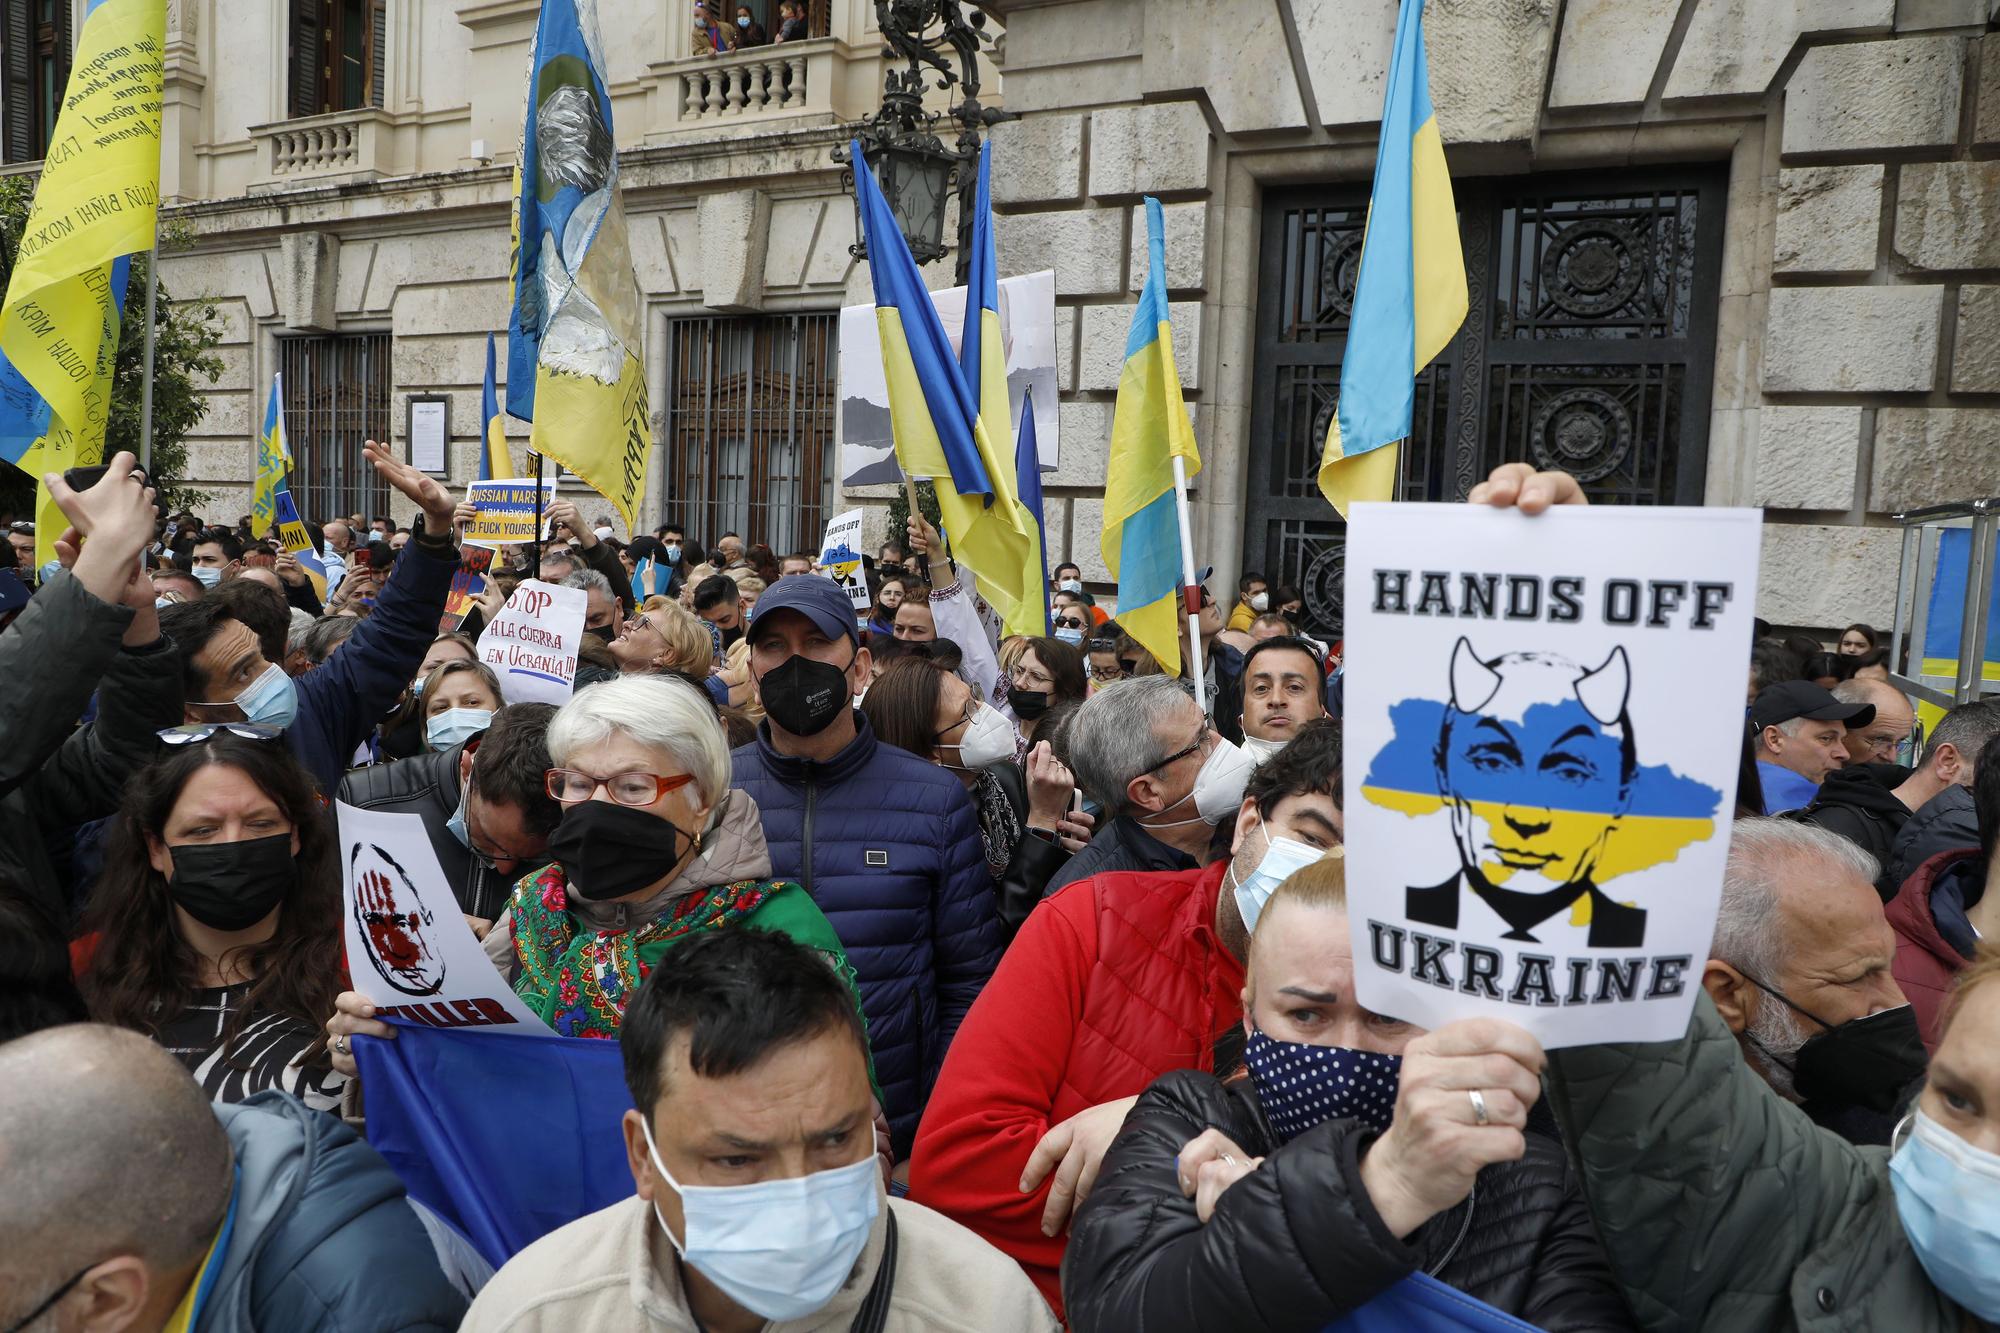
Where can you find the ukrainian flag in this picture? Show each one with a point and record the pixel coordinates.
(573, 339)
(1028, 476)
(495, 464)
(96, 204)
(1149, 429)
(939, 429)
(1410, 296)
(1944, 622)
(982, 359)
(274, 460)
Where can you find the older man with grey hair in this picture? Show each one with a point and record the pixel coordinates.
(1800, 971)
(1145, 752)
(1873, 797)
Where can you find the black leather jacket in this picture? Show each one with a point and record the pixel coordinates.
(427, 786)
(1035, 861)
(1297, 1243)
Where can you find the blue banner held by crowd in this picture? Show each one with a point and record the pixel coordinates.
(505, 1137)
(1422, 1304)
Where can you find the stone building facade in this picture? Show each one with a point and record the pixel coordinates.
(1722, 251)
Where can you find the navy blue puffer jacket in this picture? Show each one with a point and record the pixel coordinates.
(889, 848)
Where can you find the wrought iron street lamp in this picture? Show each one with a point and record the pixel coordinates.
(900, 141)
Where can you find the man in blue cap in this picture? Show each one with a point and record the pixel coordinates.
(887, 844)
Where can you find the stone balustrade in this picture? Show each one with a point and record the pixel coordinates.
(340, 144)
(708, 93)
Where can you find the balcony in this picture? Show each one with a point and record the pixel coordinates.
(338, 147)
(793, 81)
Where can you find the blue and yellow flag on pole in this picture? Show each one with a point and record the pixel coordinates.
(274, 461)
(938, 426)
(982, 360)
(293, 536)
(97, 202)
(1410, 296)
(1149, 427)
(573, 339)
(495, 463)
(1028, 478)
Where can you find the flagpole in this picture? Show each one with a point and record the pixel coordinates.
(1191, 590)
(536, 544)
(146, 390)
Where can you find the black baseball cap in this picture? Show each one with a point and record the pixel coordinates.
(1801, 698)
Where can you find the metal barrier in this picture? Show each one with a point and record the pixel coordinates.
(1923, 533)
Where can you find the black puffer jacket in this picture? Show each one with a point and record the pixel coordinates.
(1859, 803)
(1944, 823)
(1297, 1243)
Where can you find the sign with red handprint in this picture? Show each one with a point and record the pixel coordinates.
(423, 963)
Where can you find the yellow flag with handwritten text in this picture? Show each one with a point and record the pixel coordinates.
(98, 199)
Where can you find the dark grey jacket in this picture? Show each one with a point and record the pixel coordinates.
(55, 775)
(1944, 823)
(1722, 1207)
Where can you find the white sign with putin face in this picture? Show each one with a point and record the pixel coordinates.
(409, 949)
(1543, 726)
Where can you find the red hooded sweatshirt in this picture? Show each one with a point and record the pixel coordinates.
(1928, 915)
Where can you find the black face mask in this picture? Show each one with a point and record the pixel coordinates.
(1028, 704)
(1865, 1062)
(232, 885)
(802, 696)
(730, 636)
(608, 851)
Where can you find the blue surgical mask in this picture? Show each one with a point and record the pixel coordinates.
(742, 21)
(417, 688)
(271, 700)
(673, 553)
(207, 576)
(457, 821)
(778, 1248)
(1948, 1197)
(1300, 1086)
(454, 725)
(1068, 635)
(1070, 585)
(1283, 858)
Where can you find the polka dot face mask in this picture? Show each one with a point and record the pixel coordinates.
(1302, 1085)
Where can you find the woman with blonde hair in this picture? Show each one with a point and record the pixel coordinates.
(1344, 1126)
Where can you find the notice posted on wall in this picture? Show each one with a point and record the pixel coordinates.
(532, 644)
(1544, 719)
(409, 949)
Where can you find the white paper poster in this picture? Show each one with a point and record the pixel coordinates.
(409, 949)
(840, 559)
(1028, 333)
(1544, 718)
(531, 645)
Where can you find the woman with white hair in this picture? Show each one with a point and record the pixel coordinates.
(653, 848)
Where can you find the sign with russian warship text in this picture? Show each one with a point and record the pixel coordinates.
(1544, 720)
(409, 949)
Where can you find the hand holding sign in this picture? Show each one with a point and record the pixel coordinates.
(1543, 750)
(1461, 1105)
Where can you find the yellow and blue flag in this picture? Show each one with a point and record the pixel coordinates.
(573, 339)
(939, 429)
(495, 462)
(1410, 295)
(1149, 429)
(1028, 477)
(982, 360)
(97, 203)
(274, 461)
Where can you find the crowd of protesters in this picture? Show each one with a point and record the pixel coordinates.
(960, 980)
